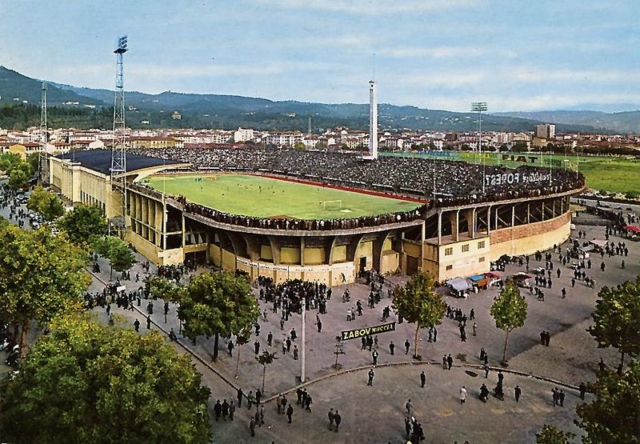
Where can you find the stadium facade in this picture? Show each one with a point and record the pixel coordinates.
(449, 236)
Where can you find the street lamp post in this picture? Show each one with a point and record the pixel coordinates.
(479, 107)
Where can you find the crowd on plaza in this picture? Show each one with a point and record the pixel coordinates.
(439, 182)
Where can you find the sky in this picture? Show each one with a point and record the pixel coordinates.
(436, 54)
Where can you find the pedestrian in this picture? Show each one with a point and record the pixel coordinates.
(148, 322)
(555, 393)
(261, 415)
(337, 419)
(463, 394)
(232, 410)
(371, 374)
(308, 401)
(561, 398)
(217, 410)
(295, 352)
(230, 347)
(239, 397)
(331, 417)
(288, 344)
(270, 339)
(319, 323)
(444, 362)
(423, 379)
(252, 426)
(407, 426)
(258, 396)
(518, 392)
(290, 412)
(409, 408)
(475, 326)
(136, 325)
(486, 370)
(256, 347)
(392, 347)
(449, 362)
(225, 410)
(250, 399)
(407, 345)
(583, 390)
(374, 355)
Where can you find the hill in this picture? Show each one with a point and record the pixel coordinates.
(619, 122)
(230, 112)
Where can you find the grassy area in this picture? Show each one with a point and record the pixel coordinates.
(262, 197)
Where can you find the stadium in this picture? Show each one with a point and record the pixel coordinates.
(324, 216)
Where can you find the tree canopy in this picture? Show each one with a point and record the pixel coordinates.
(419, 303)
(45, 203)
(41, 276)
(509, 310)
(552, 435)
(617, 318)
(614, 416)
(213, 304)
(88, 382)
(84, 223)
(18, 170)
(116, 251)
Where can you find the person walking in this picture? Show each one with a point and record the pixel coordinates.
(371, 375)
(407, 345)
(136, 325)
(463, 394)
(232, 410)
(423, 379)
(252, 426)
(409, 407)
(392, 348)
(331, 416)
(239, 396)
(449, 362)
(374, 355)
(290, 412)
(518, 392)
(337, 419)
(583, 390)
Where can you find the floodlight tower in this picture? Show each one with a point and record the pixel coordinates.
(479, 107)
(42, 155)
(118, 148)
(373, 120)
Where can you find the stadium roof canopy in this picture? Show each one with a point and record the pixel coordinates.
(100, 160)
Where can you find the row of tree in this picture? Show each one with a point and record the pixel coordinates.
(81, 380)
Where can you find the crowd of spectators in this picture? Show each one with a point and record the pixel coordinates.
(439, 182)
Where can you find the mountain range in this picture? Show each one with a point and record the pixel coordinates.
(90, 107)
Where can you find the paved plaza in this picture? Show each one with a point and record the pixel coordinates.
(376, 413)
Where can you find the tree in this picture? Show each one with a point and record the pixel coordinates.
(617, 318)
(265, 359)
(418, 303)
(553, 435)
(116, 251)
(215, 304)
(509, 310)
(84, 223)
(88, 382)
(614, 416)
(41, 276)
(46, 203)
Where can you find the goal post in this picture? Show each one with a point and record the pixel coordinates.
(332, 205)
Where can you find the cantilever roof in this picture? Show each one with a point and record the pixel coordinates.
(100, 160)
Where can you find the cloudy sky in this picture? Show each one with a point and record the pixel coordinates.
(437, 54)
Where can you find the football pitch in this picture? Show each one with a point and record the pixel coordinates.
(264, 197)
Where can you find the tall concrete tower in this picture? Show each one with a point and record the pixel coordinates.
(373, 121)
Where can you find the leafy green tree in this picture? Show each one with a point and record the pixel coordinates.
(509, 310)
(614, 416)
(45, 203)
(86, 382)
(419, 304)
(116, 251)
(553, 435)
(215, 304)
(41, 276)
(264, 359)
(617, 318)
(9, 161)
(84, 223)
(18, 178)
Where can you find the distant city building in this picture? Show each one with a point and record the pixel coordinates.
(546, 131)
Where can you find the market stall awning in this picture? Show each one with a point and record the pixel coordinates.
(632, 228)
(459, 284)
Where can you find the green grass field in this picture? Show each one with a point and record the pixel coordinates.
(262, 197)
